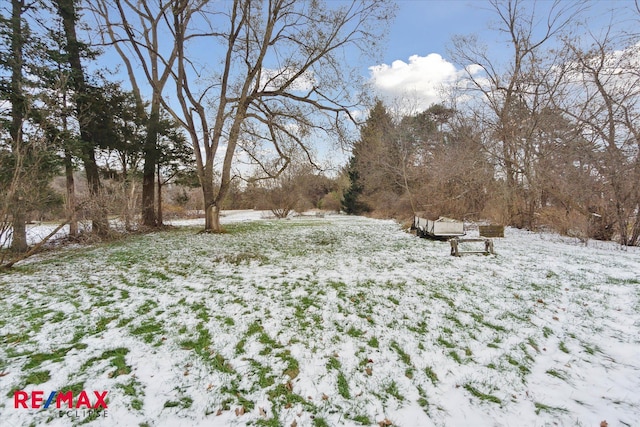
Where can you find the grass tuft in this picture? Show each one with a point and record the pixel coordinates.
(482, 396)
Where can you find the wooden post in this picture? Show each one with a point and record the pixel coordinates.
(454, 247)
(488, 246)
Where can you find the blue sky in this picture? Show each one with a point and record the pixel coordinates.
(426, 26)
(415, 63)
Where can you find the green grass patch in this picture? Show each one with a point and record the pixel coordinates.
(101, 324)
(479, 317)
(363, 420)
(283, 395)
(37, 359)
(557, 374)
(10, 339)
(482, 396)
(563, 347)
(334, 363)
(146, 307)
(201, 310)
(292, 369)
(254, 328)
(134, 390)
(184, 403)
(440, 296)
(58, 317)
(392, 389)
(265, 378)
(355, 333)
(239, 348)
(343, 386)
(320, 422)
(373, 342)
(403, 355)
(443, 342)
(148, 330)
(75, 388)
(541, 407)
(592, 350)
(429, 372)
(242, 258)
(117, 357)
(37, 377)
(201, 346)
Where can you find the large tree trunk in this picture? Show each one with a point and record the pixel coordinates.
(18, 113)
(149, 218)
(19, 236)
(67, 11)
(160, 219)
(211, 211)
(71, 195)
(214, 212)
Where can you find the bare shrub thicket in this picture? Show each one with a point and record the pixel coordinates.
(24, 192)
(298, 187)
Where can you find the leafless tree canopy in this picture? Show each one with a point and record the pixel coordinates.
(276, 73)
(544, 135)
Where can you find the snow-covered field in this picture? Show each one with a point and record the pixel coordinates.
(332, 321)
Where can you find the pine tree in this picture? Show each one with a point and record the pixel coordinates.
(27, 160)
(372, 167)
(351, 202)
(86, 114)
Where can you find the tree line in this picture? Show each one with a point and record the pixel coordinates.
(547, 138)
(275, 76)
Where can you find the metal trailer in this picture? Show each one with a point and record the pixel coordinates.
(442, 228)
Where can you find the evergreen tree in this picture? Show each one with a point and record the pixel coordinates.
(86, 114)
(27, 160)
(351, 202)
(372, 168)
(174, 159)
(16, 31)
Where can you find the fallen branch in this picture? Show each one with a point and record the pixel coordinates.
(34, 249)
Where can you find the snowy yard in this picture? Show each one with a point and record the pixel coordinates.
(332, 321)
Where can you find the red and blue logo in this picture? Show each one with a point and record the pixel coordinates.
(60, 400)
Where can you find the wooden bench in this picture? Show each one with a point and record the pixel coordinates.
(455, 250)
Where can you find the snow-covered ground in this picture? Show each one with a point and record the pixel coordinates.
(326, 322)
(38, 231)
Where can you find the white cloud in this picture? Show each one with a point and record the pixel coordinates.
(421, 80)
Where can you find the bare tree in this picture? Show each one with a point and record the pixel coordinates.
(281, 77)
(605, 102)
(513, 96)
(135, 29)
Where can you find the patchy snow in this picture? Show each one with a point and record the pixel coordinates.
(226, 217)
(37, 231)
(326, 321)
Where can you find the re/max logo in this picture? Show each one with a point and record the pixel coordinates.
(57, 399)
